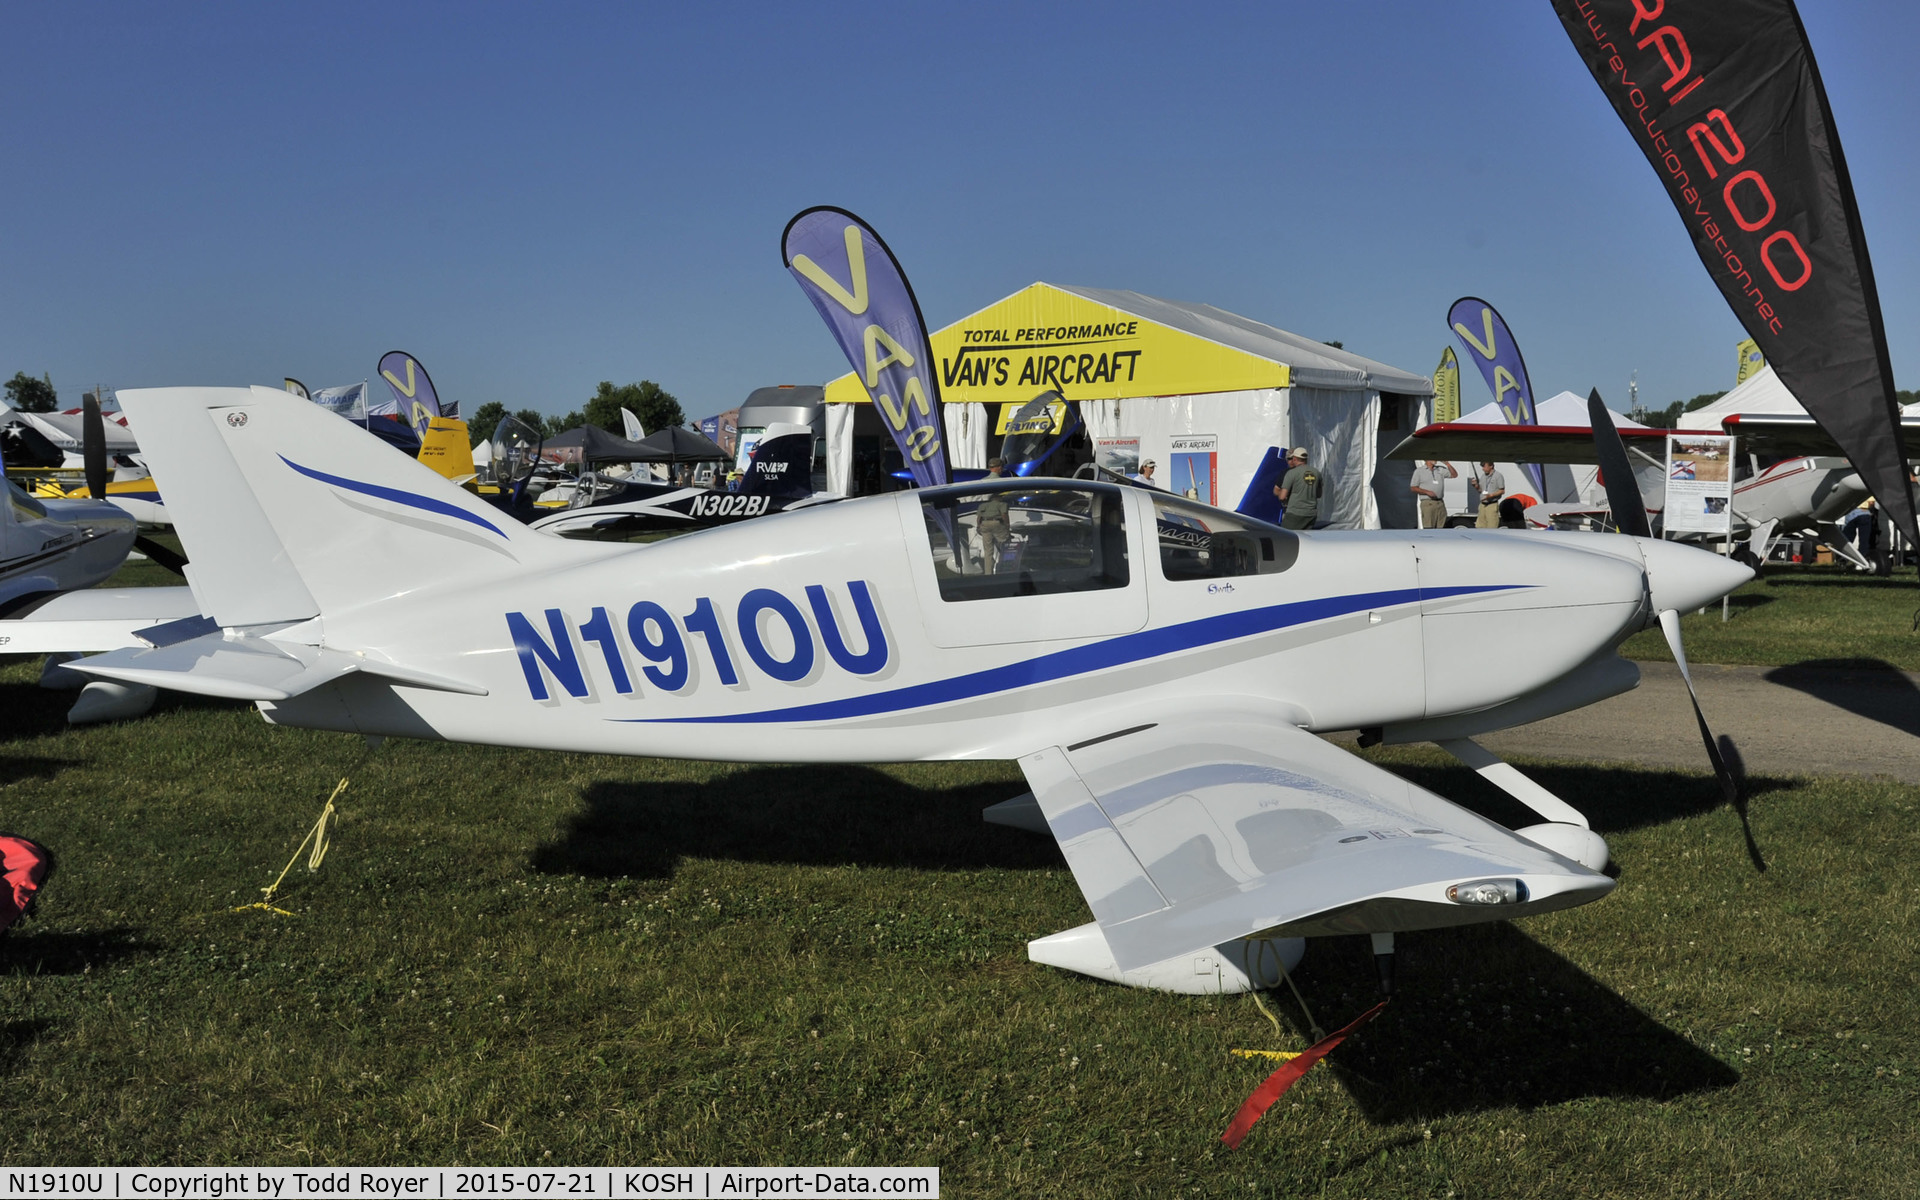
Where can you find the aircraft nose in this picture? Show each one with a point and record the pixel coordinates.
(1686, 577)
(1852, 482)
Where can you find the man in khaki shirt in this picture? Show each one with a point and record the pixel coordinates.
(1493, 489)
(1432, 491)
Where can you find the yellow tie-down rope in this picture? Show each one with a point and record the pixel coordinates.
(316, 835)
(1266, 946)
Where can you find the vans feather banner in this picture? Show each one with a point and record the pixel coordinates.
(876, 320)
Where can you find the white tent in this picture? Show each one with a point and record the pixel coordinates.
(1576, 483)
(1761, 393)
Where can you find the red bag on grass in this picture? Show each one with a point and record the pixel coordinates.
(23, 868)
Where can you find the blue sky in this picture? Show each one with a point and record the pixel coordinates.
(534, 198)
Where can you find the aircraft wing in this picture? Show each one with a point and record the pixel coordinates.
(93, 619)
(1796, 434)
(1187, 833)
(1455, 441)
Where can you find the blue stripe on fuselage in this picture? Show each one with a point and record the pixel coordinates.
(1082, 660)
(410, 499)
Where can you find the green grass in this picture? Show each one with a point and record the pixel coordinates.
(1815, 615)
(516, 957)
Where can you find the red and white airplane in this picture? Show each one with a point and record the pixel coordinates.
(1790, 479)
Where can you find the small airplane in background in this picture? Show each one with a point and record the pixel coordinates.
(1161, 693)
(53, 553)
(778, 478)
(1789, 481)
(51, 547)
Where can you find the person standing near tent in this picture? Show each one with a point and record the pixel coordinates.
(991, 521)
(1432, 491)
(1493, 487)
(1299, 491)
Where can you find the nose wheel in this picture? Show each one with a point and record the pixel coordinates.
(1383, 961)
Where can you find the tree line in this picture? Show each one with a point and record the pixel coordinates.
(654, 405)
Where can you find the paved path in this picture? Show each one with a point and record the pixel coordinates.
(1785, 720)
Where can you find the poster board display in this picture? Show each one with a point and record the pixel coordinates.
(1121, 455)
(1194, 467)
(1699, 483)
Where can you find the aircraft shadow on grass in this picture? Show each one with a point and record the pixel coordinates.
(15, 770)
(15, 1037)
(1878, 583)
(25, 952)
(29, 711)
(1614, 799)
(819, 815)
(1866, 687)
(1484, 1018)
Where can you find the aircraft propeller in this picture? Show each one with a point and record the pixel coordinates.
(93, 451)
(1630, 517)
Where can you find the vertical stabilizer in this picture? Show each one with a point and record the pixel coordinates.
(286, 511)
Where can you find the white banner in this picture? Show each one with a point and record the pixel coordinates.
(437, 1183)
(349, 401)
(1699, 483)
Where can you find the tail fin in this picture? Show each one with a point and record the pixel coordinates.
(286, 511)
(1259, 502)
(782, 464)
(446, 448)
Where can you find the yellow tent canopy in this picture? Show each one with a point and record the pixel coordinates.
(1081, 342)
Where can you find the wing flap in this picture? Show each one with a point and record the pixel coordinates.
(1190, 833)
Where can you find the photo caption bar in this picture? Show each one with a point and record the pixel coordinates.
(450, 1183)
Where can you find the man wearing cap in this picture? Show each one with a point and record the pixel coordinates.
(1431, 490)
(991, 521)
(1146, 473)
(1299, 492)
(1493, 488)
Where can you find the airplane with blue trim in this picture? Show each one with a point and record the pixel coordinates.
(778, 477)
(1159, 668)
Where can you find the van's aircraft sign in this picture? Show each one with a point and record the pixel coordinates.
(863, 295)
(1047, 337)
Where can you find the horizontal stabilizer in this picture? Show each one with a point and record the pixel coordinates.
(253, 668)
(1189, 833)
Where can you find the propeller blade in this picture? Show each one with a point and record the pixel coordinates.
(161, 554)
(1623, 494)
(93, 446)
(1729, 784)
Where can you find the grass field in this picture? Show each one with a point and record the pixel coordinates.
(1804, 615)
(522, 958)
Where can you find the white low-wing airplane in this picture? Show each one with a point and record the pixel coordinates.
(1787, 482)
(1158, 667)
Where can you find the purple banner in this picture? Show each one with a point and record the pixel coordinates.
(415, 401)
(863, 295)
(1490, 345)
